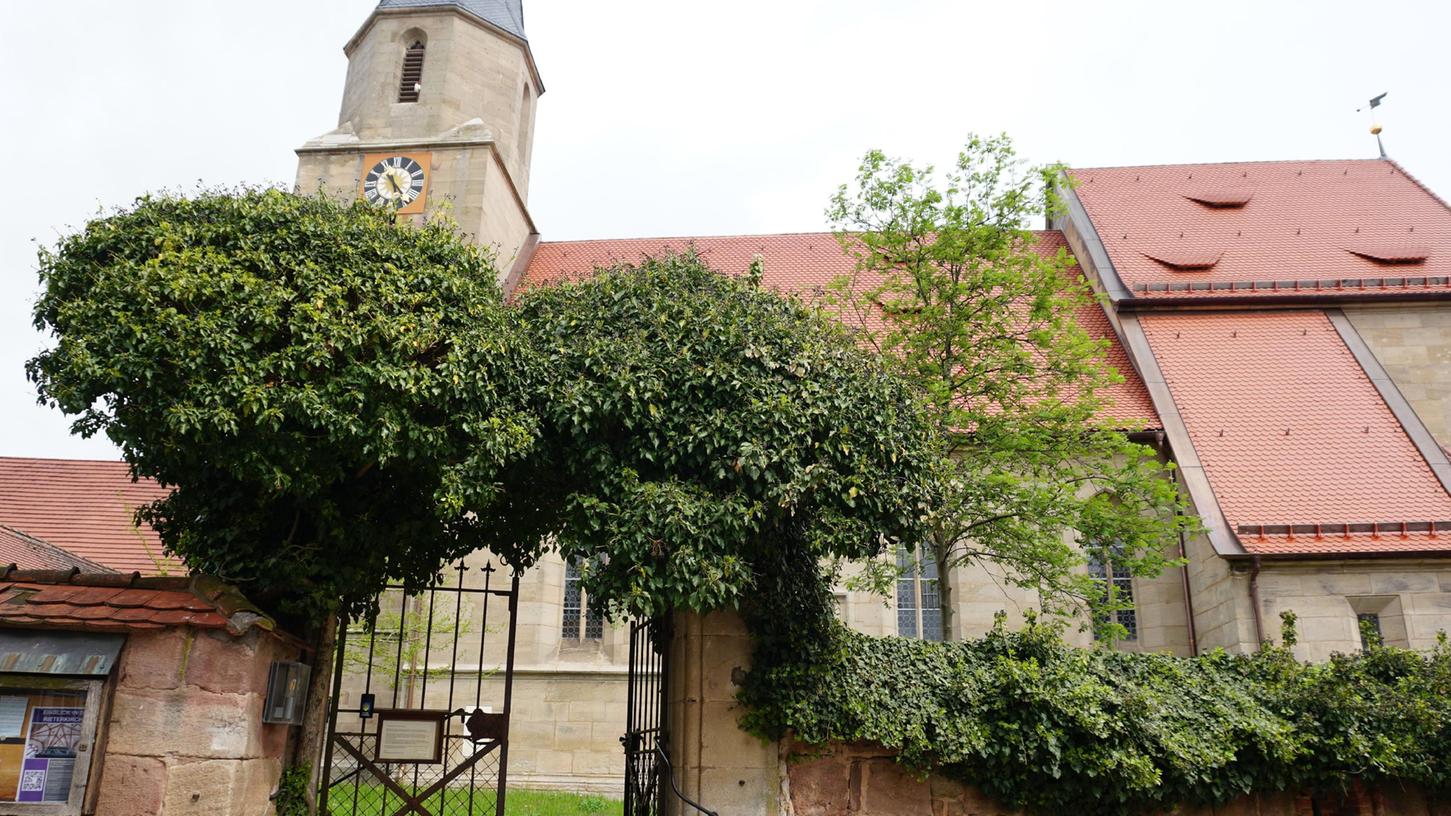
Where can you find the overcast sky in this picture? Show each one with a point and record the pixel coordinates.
(674, 117)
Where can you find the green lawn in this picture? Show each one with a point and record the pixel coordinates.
(373, 800)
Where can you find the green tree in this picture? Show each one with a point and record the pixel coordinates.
(398, 640)
(333, 398)
(328, 394)
(950, 284)
(698, 425)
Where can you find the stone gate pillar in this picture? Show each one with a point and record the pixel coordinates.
(715, 762)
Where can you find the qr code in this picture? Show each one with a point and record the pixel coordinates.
(32, 780)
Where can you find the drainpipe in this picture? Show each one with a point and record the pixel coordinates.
(1193, 633)
(1188, 595)
(1254, 599)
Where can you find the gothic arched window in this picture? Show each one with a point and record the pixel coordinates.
(919, 602)
(1116, 585)
(580, 622)
(411, 83)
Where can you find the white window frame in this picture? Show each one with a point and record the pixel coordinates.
(912, 567)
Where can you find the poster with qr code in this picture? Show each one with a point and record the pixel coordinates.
(50, 754)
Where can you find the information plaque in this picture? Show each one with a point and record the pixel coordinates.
(410, 735)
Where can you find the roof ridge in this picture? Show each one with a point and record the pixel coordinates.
(1218, 164)
(76, 577)
(49, 459)
(829, 233)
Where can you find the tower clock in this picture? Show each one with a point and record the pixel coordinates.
(398, 181)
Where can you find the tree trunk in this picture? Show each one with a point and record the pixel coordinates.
(941, 553)
(315, 715)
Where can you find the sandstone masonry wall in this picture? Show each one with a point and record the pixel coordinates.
(1412, 599)
(1413, 343)
(864, 780)
(184, 734)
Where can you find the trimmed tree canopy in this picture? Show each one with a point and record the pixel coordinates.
(338, 401)
(701, 424)
(329, 393)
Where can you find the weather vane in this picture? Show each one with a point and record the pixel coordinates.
(1374, 125)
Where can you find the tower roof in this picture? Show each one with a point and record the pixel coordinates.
(507, 15)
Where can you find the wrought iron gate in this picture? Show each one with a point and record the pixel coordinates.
(649, 779)
(402, 671)
(646, 738)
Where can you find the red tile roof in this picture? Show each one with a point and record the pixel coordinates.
(804, 264)
(1273, 228)
(84, 507)
(27, 552)
(123, 602)
(1293, 435)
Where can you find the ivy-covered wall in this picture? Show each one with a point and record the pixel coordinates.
(1047, 728)
(866, 780)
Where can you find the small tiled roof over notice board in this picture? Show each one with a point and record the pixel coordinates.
(56, 599)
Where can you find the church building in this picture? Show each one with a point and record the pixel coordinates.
(1283, 329)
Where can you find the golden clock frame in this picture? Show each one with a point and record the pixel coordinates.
(425, 160)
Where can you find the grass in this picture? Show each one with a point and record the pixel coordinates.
(374, 800)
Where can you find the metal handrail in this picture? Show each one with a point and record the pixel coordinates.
(670, 775)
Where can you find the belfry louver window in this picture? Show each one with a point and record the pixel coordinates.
(411, 84)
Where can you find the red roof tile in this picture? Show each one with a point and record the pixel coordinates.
(804, 264)
(116, 602)
(1291, 432)
(28, 552)
(84, 507)
(1289, 236)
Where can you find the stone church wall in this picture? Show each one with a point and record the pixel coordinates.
(1413, 344)
(1223, 615)
(980, 591)
(1412, 599)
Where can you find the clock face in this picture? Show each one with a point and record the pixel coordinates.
(396, 181)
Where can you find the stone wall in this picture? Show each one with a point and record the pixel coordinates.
(1413, 344)
(729, 771)
(184, 733)
(866, 780)
(1412, 598)
(715, 762)
(980, 591)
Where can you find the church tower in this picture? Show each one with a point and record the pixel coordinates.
(438, 112)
